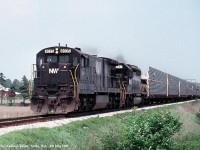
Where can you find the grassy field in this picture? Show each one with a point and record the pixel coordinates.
(189, 136)
(102, 133)
(14, 111)
(12, 107)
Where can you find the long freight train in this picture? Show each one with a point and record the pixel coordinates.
(67, 80)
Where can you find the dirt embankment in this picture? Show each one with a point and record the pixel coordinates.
(15, 111)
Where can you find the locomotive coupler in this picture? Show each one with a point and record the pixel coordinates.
(52, 104)
(40, 104)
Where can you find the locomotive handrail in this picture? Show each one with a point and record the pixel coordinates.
(120, 89)
(121, 92)
(77, 96)
(124, 88)
(75, 82)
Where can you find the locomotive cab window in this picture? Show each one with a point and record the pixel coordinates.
(82, 61)
(75, 61)
(51, 58)
(98, 67)
(64, 58)
(40, 61)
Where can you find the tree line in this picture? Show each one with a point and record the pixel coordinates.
(21, 87)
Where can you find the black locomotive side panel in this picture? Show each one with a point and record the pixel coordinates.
(84, 80)
(99, 75)
(136, 80)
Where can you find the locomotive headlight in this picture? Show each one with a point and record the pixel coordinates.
(56, 51)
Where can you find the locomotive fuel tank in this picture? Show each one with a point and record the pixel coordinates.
(101, 101)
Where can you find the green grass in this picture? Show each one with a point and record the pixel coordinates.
(85, 134)
(101, 133)
(189, 142)
(189, 136)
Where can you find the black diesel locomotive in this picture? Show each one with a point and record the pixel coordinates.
(67, 80)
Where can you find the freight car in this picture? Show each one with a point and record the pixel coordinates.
(163, 87)
(67, 80)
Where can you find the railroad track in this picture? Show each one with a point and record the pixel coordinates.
(44, 118)
(28, 120)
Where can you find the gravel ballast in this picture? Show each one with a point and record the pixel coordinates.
(55, 123)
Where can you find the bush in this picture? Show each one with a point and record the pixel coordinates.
(150, 130)
(111, 137)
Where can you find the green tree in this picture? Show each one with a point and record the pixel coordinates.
(8, 83)
(2, 79)
(11, 98)
(16, 85)
(24, 88)
(2, 82)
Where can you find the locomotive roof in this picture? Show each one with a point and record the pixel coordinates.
(64, 50)
(111, 61)
(60, 49)
(127, 66)
(134, 67)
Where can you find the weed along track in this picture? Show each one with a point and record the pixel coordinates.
(28, 120)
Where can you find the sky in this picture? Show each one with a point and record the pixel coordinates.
(164, 34)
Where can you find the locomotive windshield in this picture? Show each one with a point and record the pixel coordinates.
(61, 58)
(58, 55)
(64, 58)
(51, 58)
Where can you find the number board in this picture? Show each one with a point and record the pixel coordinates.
(57, 51)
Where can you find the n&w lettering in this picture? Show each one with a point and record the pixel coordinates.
(53, 70)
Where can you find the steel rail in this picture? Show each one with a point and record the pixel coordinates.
(28, 120)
